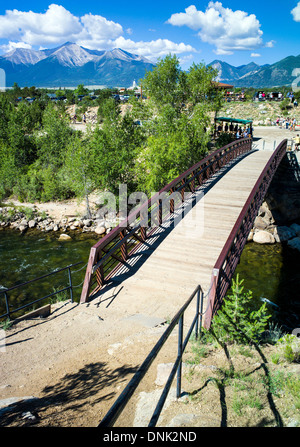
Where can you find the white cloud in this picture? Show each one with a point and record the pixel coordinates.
(57, 25)
(224, 28)
(255, 55)
(95, 27)
(186, 60)
(154, 49)
(13, 45)
(296, 13)
(270, 44)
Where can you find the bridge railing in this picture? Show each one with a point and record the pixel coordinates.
(230, 255)
(21, 288)
(195, 327)
(114, 250)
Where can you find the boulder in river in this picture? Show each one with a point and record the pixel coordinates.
(284, 233)
(64, 237)
(295, 243)
(264, 237)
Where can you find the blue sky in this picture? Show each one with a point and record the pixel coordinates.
(196, 31)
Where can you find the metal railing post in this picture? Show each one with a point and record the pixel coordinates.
(200, 312)
(7, 304)
(197, 311)
(70, 282)
(179, 369)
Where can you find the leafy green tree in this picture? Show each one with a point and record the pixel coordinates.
(8, 170)
(108, 111)
(178, 135)
(53, 137)
(200, 87)
(164, 85)
(51, 142)
(70, 97)
(79, 167)
(175, 145)
(116, 146)
(81, 90)
(59, 93)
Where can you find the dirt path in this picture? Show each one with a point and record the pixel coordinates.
(75, 362)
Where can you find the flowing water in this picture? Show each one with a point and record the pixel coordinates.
(269, 271)
(272, 272)
(24, 257)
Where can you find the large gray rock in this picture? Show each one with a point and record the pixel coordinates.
(295, 243)
(87, 222)
(260, 223)
(263, 237)
(295, 227)
(100, 230)
(64, 237)
(283, 234)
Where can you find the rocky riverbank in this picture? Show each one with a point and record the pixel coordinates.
(24, 219)
(265, 231)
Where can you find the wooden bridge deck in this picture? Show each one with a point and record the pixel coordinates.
(180, 259)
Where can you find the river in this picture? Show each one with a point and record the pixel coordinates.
(24, 257)
(269, 271)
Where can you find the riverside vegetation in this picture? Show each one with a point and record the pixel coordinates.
(244, 371)
(43, 158)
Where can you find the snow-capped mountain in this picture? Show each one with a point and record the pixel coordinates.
(71, 64)
(23, 56)
(258, 76)
(229, 73)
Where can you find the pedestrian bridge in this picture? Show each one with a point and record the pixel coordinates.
(190, 233)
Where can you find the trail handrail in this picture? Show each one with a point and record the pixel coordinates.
(227, 261)
(5, 290)
(114, 412)
(114, 249)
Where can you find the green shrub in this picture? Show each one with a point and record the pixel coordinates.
(289, 346)
(235, 321)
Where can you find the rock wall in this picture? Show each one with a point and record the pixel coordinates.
(99, 224)
(279, 216)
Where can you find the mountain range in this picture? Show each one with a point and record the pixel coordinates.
(258, 76)
(69, 65)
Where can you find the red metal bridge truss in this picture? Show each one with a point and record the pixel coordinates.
(115, 249)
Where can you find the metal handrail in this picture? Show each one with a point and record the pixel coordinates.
(117, 408)
(6, 290)
(117, 240)
(227, 261)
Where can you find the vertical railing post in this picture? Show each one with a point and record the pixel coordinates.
(144, 224)
(200, 312)
(159, 212)
(70, 282)
(193, 182)
(179, 369)
(123, 246)
(197, 312)
(100, 273)
(182, 190)
(172, 204)
(7, 304)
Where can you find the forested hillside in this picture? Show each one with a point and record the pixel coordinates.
(43, 158)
